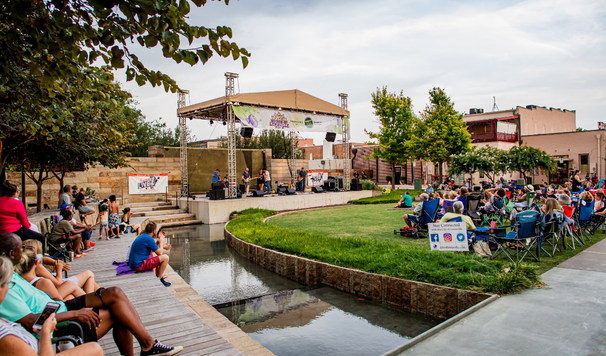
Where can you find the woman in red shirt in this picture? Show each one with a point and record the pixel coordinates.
(13, 218)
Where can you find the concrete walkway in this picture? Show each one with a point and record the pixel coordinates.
(565, 318)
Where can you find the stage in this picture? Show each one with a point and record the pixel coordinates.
(217, 211)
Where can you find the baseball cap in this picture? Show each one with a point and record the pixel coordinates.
(530, 188)
(64, 206)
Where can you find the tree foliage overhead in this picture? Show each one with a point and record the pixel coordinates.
(441, 132)
(525, 158)
(277, 140)
(490, 160)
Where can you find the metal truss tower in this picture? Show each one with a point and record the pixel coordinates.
(181, 102)
(345, 136)
(231, 135)
(292, 162)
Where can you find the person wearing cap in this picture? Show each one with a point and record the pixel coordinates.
(246, 179)
(86, 233)
(216, 176)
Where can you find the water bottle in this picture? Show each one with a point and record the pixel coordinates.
(71, 256)
(65, 345)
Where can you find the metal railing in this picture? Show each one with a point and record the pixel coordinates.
(176, 195)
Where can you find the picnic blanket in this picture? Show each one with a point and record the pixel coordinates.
(123, 268)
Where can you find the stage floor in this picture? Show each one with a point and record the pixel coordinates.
(217, 211)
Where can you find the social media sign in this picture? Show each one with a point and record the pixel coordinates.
(451, 236)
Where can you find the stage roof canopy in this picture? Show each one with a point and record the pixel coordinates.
(285, 99)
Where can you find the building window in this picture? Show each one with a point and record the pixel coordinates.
(584, 159)
(481, 174)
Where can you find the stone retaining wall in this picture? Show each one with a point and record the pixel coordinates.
(438, 302)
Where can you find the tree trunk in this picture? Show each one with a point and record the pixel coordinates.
(393, 176)
(440, 164)
(39, 192)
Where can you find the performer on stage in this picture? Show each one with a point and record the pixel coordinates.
(267, 181)
(246, 179)
(302, 176)
(216, 176)
(260, 180)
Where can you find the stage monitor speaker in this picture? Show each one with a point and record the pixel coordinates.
(339, 183)
(354, 184)
(258, 193)
(291, 192)
(359, 186)
(281, 190)
(317, 189)
(217, 186)
(246, 132)
(242, 188)
(330, 136)
(218, 194)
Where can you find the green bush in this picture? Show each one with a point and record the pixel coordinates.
(369, 185)
(388, 178)
(456, 270)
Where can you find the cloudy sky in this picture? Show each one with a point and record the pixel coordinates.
(542, 52)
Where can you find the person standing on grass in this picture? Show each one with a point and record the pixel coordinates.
(141, 256)
(114, 217)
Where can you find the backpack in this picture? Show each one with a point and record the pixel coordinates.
(408, 232)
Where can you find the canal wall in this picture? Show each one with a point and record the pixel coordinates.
(438, 302)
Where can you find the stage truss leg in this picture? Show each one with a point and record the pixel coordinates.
(345, 136)
(181, 102)
(231, 136)
(292, 162)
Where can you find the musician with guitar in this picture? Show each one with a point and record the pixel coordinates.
(246, 179)
(302, 176)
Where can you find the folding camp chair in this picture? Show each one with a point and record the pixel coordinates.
(584, 218)
(550, 236)
(497, 212)
(473, 207)
(524, 229)
(428, 215)
(571, 230)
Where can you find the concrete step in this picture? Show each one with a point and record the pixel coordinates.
(159, 213)
(179, 223)
(148, 204)
(153, 208)
(173, 218)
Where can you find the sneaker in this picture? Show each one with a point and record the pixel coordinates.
(166, 284)
(161, 349)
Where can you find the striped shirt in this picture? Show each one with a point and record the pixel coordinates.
(8, 328)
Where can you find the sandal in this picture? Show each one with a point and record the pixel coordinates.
(78, 256)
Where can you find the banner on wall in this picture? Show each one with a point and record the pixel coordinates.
(265, 118)
(147, 183)
(448, 236)
(316, 178)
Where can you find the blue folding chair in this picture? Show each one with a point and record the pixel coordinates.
(525, 228)
(584, 218)
(428, 215)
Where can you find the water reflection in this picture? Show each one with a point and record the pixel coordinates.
(203, 259)
(286, 320)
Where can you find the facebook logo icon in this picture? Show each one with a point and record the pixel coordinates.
(435, 238)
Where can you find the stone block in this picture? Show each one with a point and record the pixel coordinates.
(393, 291)
(360, 283)
(280, 263)
(338, 277)
(406, 300)
(452, 303)
(377, 286)
(481, 297)
(261, 256)
(253, 254)
(418, 297)
(270, 260)
(436, 301)
(289, 269)
(301, 271)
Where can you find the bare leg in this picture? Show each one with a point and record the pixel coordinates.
(122, 312)
(86, 281)
(90, 348)
(76, 240)
(70, 288)
(162, 267)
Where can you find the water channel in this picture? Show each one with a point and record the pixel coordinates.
(283, 315)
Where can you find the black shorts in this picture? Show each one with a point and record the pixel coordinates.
(90, 335)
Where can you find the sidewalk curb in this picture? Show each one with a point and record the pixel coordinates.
(433, 331)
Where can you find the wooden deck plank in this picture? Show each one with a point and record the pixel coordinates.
(163, 315)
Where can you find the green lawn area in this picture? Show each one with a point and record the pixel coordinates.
(361, 237)
(392, 198)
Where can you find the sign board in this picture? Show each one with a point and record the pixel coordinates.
(316, 178)
(450, 236)
(147, 183)
(267, 118)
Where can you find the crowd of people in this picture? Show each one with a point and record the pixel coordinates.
(30, 278)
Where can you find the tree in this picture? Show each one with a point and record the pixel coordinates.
(526, 158)
(490, 160)
(396, 117)
(440, 132)
(276, 140)
(47, 49)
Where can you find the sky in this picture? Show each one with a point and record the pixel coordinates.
(539, 52)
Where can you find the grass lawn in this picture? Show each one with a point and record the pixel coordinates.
(392, 198)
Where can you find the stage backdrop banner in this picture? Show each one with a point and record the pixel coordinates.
(316, 178)
(147, 183)
(265, 118)
(448, 236)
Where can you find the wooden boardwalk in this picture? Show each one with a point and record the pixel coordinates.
(164, 316)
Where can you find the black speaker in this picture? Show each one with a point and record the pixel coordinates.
(317, 189)
(217, 186)
(281, 190)
(242, 188)
(339, 183)
(217, 194)
(246, 131)
(258, 193)
(291, 192)
(330, 136)
(354, 184)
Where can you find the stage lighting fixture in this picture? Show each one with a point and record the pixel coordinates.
(212, 122)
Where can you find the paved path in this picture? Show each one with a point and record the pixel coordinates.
(164, 316)
(566, 318)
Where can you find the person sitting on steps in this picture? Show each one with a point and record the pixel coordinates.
(141, 256)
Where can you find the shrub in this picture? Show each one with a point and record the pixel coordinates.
(369, 185)
(388, 178)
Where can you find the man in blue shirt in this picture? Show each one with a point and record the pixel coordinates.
(141, 258)
(216, 176)
(302, 176)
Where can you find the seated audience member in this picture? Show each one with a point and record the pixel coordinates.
(452, 195)
(458, 213)
(520, 198)
(439, 195)
(128, 227)
(418, 210)
(82, 207)
(13, 218)
(552, 210)
(15, 340)
(97, 313)
(86, 233)
(141, 252)
(84, 280)
(463, 197)
(586, 198)
(26, 269)
(599, 205)
(64, 232)
(564, 200)
(492, 197)
(405, 202)
(65, 197)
